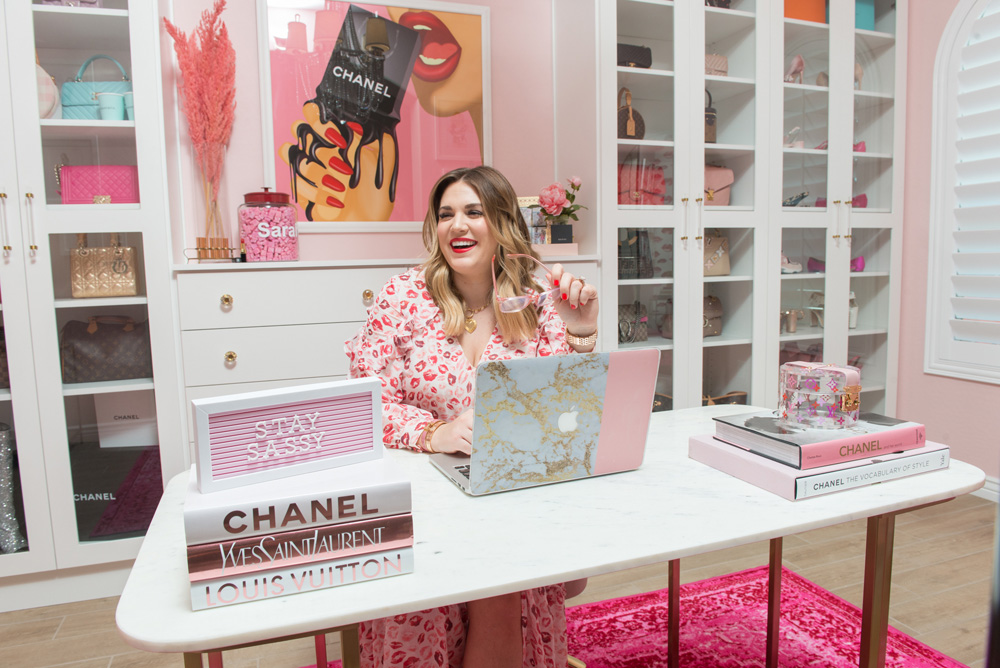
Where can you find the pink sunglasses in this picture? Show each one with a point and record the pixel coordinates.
(515, 304)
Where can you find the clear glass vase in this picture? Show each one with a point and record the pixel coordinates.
(210, 160)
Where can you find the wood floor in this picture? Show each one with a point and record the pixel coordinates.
(941, 583)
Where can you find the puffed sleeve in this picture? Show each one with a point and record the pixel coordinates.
(380, 349)
(551, 333)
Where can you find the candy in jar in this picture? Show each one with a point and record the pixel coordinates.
(267, 227)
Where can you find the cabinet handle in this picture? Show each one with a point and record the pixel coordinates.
(684, 234)
(230, 357)
(3, 225)
(30, 210)
(849, 205)
(226, 300)
(701, 222)
(837, 202)
(367, 297)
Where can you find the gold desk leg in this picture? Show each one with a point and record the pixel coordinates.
(350, 647)
(192, 660)
(773, 603)
(878, 577)
(674, 613)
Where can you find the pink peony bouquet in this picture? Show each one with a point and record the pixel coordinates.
(558, 203)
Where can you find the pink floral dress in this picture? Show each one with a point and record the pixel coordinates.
(426, 376)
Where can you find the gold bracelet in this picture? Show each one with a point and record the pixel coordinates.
(574, 340)
(429, 432)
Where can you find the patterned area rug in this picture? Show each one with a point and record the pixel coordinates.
(723, 625)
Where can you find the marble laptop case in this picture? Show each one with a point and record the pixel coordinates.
(550, 419)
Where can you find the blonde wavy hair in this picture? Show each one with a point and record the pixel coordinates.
(506, 224)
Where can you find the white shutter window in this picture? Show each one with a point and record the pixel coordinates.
(963, 317)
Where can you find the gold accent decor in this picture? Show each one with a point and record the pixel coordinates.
(227, 300)
(851, 399)
(575, 340)
(230, 356)
(367, 297)
(102, 199)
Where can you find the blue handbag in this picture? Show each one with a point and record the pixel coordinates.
(79, 97)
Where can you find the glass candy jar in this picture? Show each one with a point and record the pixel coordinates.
(267, 227)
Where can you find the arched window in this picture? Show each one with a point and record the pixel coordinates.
(963, 317)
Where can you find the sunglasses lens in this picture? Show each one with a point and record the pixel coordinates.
(514, 304)
(546, 297)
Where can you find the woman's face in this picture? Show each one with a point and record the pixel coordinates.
(464, 232)
(448, 73)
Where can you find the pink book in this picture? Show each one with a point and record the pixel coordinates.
(764, 433)
(230, 558)
(794, 484)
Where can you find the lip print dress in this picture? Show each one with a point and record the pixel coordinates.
(426, 376)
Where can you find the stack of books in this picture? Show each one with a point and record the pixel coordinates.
(797, 463)
(291, 535)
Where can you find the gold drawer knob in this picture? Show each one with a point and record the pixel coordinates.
(227, 300)
(230, 357)
(367, 297)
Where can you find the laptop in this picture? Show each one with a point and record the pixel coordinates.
(543, 420)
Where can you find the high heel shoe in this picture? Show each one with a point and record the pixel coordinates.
(817, 307)
(816, 266)
(860, 147)
(790, 140)
(859, 74)
(860, 201)
(795, 199)
(823, 79)
(789, 267)
(823, 145)
(858, 263)
(795, 70)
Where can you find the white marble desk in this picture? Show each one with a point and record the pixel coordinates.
(469, 548)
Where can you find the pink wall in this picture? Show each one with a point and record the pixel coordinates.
(960, 413)
(521, 62)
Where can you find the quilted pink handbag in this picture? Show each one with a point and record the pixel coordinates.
(99, 184)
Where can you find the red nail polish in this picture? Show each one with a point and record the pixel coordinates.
(340, 166)
(356, 127)
(333, 184)
(333, 201)
(556, 283)
(572, 305)
(335, 137)
(564, 295)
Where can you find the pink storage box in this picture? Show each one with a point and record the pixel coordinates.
(819, 396)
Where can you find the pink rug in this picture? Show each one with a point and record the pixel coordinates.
(723, 625)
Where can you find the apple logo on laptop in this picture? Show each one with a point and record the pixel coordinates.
(567, 421)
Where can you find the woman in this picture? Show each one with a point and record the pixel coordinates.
(426, 332)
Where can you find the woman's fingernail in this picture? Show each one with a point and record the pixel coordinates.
(556, 283)
(564, 295)
(333, 184)
(339, 165)
(356, 127)
(333, 201)
(335, 137)
(572, 305)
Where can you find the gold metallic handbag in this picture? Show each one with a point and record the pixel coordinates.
(103, 271)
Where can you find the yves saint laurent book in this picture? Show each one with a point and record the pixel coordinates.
(764, 433)
(297, 579)
(362, 491)
(230, 558)
(793, 484)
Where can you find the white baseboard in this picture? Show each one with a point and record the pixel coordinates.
(67, 586)
(989, 491)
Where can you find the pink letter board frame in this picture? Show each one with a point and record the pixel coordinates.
(243, 439)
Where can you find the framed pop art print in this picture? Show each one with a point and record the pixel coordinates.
(243, 439)
(366, 105)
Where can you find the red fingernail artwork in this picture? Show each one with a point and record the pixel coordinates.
(333, 201)
(335, 137)
(332, 183)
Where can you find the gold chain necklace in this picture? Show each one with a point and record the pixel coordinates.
(470, 321)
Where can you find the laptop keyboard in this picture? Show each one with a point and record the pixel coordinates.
(463, 469)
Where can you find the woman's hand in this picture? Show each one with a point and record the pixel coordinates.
(577, 302)
(454, 436)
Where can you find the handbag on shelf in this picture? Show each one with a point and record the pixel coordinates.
(633, 323)
(716, 254)
(628, 254)
(716, 65)
(662, 402)
(711, 116)
(728, 398)
(79, 97)
(632, 55)
(717, 185)
(48, 92)
(712, 318)
(630, 123)
(103, 271)
(98, 184)
(641, 183)
(105, 348)
(645, 255)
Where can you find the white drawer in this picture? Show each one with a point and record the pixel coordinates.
(208, 391)
(265, 353)
(268, 297)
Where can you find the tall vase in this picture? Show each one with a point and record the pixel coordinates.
(11, 539)
(210, 159)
